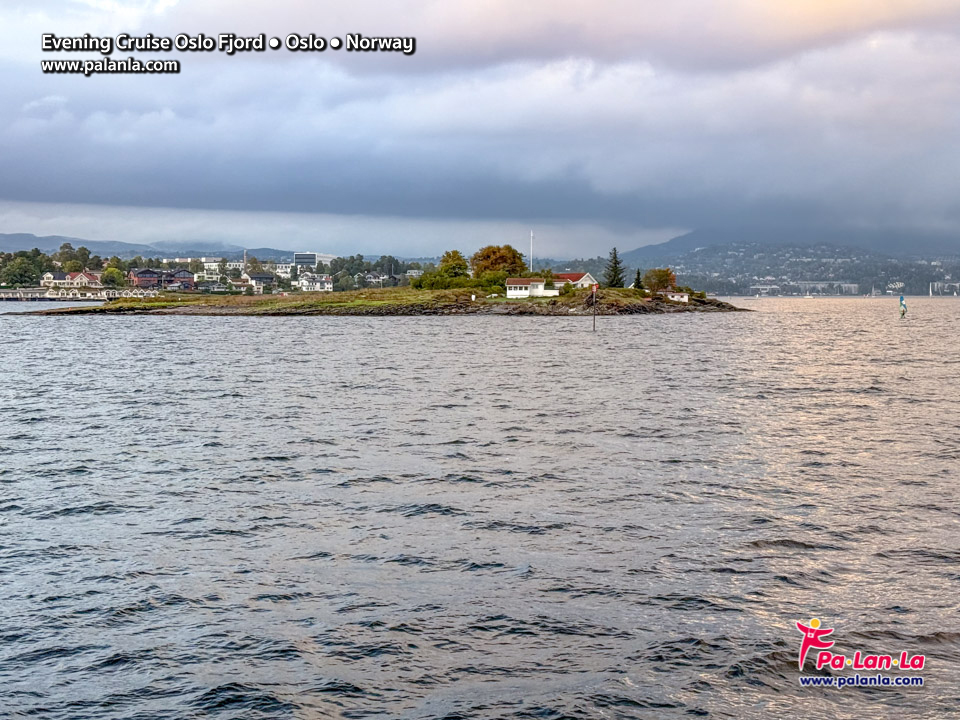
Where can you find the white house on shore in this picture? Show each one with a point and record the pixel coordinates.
(537, 287)
(530, 287)
(578, 280)
(86, 279)
(675, 295)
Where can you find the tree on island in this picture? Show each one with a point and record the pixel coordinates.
(638, 281)
(497, 258)
(453, 272)
(613, 276)
(657, 279)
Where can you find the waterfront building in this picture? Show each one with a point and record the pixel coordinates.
(578, 280)
(675, 295)
(87, 278)
(530, 287)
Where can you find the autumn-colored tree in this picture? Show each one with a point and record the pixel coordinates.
(657, 279)
(495, 258)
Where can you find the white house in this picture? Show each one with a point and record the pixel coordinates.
(310, 282)
(529, 287)
(259, 280)
(371, 278)
(674, 295)
(241, 285)
(211, 267)
(578, 280)
(283, 270)
(87, 278)
(54, 279)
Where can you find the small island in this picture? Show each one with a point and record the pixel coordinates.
(401, 301)
(496, 280)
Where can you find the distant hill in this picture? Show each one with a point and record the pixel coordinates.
(893, 242)
(12, 242)
(51, 243)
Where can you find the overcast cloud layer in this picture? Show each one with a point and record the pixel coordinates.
(597, 123)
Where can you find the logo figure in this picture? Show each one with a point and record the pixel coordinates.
(813, 636)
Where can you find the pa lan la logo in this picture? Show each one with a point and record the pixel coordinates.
(815, 636)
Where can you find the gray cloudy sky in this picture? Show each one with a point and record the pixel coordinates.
(596, 123)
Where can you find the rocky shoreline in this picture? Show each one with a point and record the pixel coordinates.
(554, 307)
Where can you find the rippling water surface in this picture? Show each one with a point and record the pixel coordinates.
(477, 517)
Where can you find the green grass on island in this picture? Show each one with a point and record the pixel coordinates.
(395, 301)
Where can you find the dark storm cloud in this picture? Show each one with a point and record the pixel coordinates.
(628, 116)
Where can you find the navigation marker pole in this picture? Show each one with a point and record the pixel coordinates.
(595, 286)
(531, 251)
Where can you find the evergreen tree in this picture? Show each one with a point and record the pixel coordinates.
(613, 276)
(638, 281)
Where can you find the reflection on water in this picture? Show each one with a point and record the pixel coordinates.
(476, 517)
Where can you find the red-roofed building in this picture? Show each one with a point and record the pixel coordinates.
(83, 279)
(578, 280)
(537, 287)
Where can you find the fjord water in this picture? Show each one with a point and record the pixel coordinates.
(477, 517)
